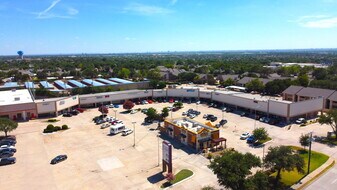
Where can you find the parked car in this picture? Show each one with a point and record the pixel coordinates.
(184, 113)
(198, 102)
(150, 101)
(6, 154)
(244, 136)
(229, 110)
(171, 100)
(134, 111)
(6, 161)
(116, 106)
(7, 146)
(81, 110)
(192, 116)
(127, 131)
(105, 125)
(242, 113)
(144, 110)
(8, 140)
(8, 137)
(251, 139)
(8, 149)
(222, 122)
(300, 120)
(100, 121)
(67, 114)
(212, 119)
(74, 112)
(58, 159)
(111, 106)
(205, 116)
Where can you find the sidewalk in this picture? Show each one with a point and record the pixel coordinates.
(313, 175)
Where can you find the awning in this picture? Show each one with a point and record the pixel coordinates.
(219, 140)
(182, 135)
(204, 140)
(170, 129)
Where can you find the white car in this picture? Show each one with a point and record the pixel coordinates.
(198, 102)
(110, 106)
(127, 131)
(300, 120)
(133, 111)
(105, 125)
(7, 146)
(244, 136)
(205, 116)
(192, 116)
(184, 113)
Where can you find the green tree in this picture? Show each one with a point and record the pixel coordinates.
(320, 73)
(124, 73)
(210, 79)
(283, 158)
(303, 80)
(259, 181)
(260, 133)
(154, 74)
(7, 125)
(255, 85)
(232, 168)
(178, 105)
(330, 118)
(165, 112)
(228, 82)
(304, 140)
(152, 113)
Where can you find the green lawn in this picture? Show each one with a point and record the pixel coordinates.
(183, 174)
(262, 141)
(317, 159)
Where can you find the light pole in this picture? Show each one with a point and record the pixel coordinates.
(258, 106)
(310, 140)
(158, 150)
(171, 114)
(115, 113)
(134, 134)
(223, 114)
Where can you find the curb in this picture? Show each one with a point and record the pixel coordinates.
(178, 182)
(323, 170)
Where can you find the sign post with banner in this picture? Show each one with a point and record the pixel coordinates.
(167, 157)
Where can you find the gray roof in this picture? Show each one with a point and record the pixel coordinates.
(333, 96)
(315, 92)
(225, 77)
(292, 89)
(245, 80)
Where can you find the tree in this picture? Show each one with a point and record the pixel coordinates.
(330, 118)
(124, 73)
(232, 168)
(178, 105)
(260, 133)
(304, 140)
(103, 109)
(7, 125)
(277, 86)
(128, 105)
(302, 80)
(320, 73)
(283, 158)
(255, 85)
(210, 80)
(151, 113)
(165, 112)
(228, 82)
(259, 181)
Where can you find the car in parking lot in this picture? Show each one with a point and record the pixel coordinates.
(205, 116)
(7, 142)
(74, 112)
(58, 159)
(127, 131)
(6, 161)
(244, 135)
(134, 111)
(198, 102)
(8, 149)
(222, 122)
(7, 146)
(251, 139)
(105, 125)
(116, 106)
(67, 114)
(6, 154)
(192, 116)
(300, 120)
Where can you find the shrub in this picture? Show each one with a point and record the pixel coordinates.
(57, 128)
(209, 156)
(50, 127)
(52, 120)
(65, 127)
(47, 131)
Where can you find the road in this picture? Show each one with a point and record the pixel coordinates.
(327, 181)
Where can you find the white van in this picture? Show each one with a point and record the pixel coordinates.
(115, 129)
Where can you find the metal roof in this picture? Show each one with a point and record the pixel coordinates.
(29, 85)
(120, 80)
(46, 84)
(76, 83)
(315, 92)
(292, 89)
(62, 84)
(92, 82)
(11, 84)
(106, 81)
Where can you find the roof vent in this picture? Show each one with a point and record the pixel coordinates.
(13, 90)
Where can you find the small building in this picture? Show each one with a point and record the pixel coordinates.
(17, 105)
(223, 78)
(192, 133)
(289, 94)
(332, 100)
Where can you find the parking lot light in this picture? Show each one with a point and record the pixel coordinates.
(115, 113)
(134, 134)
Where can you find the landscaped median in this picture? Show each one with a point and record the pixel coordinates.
(180, 176)
(292, 177)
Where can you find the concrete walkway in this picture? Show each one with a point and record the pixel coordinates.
(313, 175)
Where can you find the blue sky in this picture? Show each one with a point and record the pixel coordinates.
(114, 26)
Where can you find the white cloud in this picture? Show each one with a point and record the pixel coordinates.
(317, 21)
(72, 11)
(45, 12)
(173, 2)
(49, 12)
(146, 9)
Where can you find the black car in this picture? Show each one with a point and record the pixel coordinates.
(223, 122)
(6, 161)
(13, 141)
(58, 159)
(7, 149)
(8, 143)
(229, 110)
(243, 114)
(10, 137)
(67, 114)
(6, 154)
(74, 112)
(213, 119)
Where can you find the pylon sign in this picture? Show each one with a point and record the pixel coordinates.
(167, 156)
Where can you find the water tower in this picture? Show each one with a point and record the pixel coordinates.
(20, 53)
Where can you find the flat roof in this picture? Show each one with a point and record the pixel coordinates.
(76, 83)
(11, 84)
(62, 84)
(120, 80)
(46, 84)
(106, 81)
(190, 124)
(110, 93)
(12, 97)
(92, 82)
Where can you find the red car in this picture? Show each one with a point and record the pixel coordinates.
(81, 110)
(150, 101)
(175, 109)
(171, 100)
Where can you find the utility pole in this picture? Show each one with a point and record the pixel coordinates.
(310, 140)
(115, 113)
(134, 134)
(158, 150)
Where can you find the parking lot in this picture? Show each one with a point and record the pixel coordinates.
(97, 160)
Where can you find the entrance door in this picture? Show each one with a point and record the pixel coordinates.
(19, 116)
